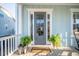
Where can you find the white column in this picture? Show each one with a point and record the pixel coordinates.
(16, 18)
(18, 23)
(19, 19)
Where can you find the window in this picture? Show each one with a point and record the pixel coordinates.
(39, 16)
(75, 21)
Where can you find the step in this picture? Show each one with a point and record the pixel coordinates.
(41, 48)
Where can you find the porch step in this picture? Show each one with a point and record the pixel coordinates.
(41, 48)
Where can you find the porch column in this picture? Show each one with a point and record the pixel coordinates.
(18, 23)
(19, 19)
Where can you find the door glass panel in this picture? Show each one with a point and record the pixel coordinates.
(40, 24)
(40, 27)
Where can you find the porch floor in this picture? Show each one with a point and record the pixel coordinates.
(48, 52)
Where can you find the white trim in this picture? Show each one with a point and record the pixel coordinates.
(48, 11)
(73, 10)
(46, 28)
(29, 24)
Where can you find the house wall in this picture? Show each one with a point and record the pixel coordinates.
(61, 21)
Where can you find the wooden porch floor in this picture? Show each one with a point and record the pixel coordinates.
(41, 51)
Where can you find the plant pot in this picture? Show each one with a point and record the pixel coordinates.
(20, 50)
(25, 50)
(56, 45)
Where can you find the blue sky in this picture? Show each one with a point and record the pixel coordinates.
(10, 7)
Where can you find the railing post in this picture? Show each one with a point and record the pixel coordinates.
(16, 42)
(8, 46)
(11, 44)
(66, 37)
(5, 47)
(1, 47)
(71, 39)
(61, 38)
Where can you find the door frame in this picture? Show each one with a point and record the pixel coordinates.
(48, 11)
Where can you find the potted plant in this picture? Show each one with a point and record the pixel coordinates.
(55, 40)
(20, 49)
(25, 41)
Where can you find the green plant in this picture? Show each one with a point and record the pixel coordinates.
(55, 40)
(25, 41)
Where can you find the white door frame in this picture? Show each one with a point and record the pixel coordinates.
(48, 11)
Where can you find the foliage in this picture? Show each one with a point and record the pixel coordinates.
(25, 40)
(55, 40)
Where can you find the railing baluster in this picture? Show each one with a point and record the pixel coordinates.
(61, 37)
(5, 46)
(16, 43)
(8, 46)
(11, 45)
(66, 38)
(1, 48)
(71, 40)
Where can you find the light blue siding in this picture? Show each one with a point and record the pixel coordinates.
(61, 20)
(25, 21)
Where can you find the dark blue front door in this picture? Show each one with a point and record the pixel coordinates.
(40, 28)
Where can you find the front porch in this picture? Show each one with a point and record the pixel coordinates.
(57, 19)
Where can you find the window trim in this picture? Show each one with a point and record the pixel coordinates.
(73, 10)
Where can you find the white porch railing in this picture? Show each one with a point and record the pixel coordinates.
(8, 45)
(68, 40)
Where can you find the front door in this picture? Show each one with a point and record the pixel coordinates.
(40, 28)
